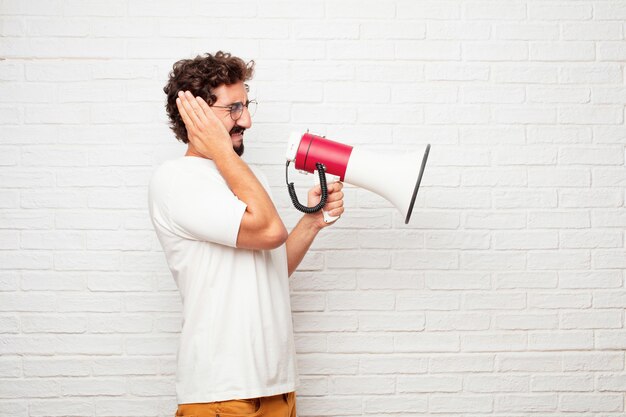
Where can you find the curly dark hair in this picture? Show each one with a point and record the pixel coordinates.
(200, 76)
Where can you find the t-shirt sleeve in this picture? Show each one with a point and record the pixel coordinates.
(205, 211)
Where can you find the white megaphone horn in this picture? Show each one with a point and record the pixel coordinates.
(397, 178)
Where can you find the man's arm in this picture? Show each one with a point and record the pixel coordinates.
(302, 236)
(261, 226)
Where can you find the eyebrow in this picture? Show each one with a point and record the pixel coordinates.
(239, 101)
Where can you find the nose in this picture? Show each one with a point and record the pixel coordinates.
(245, 120)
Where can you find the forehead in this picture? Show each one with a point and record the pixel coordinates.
(227, 94)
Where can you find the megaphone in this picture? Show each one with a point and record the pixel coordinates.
(396, 178)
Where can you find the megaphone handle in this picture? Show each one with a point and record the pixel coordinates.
(294, 198)
(327, 217)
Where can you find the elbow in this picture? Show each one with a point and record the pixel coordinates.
(276, 236)
(265, 235)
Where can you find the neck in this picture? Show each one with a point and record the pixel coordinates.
(191, 151)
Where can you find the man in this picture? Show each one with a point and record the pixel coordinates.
(228, 250)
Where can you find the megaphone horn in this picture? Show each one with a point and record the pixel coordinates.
(397, 179)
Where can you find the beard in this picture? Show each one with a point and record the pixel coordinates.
(238, 129)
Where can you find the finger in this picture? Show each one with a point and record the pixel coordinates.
(208, 111)
(335, 196)
(336, 212)
(337, 186)
(190, 112)
(183, 114)
(196, 107)
(333, 205)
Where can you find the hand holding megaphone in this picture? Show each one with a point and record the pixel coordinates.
(395, 178)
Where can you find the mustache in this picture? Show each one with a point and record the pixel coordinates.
(237, 129)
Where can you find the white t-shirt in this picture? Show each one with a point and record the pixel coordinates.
(237, 336)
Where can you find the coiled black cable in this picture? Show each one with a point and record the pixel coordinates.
(321, 170)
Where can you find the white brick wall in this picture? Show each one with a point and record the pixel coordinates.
(504, 296)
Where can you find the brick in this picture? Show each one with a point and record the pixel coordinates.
(592, 279)
(53, 324)
(495, 51)
(54, 367)
(608, 259)
(558, 95)
(421, 94)
(494, 10)
(557, 341)
(593, 361)
(562, 51)
(611, 51)
(528, 362)
(524, 73)
(560, 134)
(352, 301)
(395, 404)
(457, 29)
(558, 219)
(446, 10)
(605, 319)
(558, 177)
(494, 220)
(352, 385)
(427, 301)
(350, 50)
(457, 281)
(543, 260)
(456, 72)
(428, 50)
(590, 198)
(426, 342)
(610, 383)
(528, 279)
(525, 31)
(608, 299)
(526, 240)
(493, 95)
(359, 343)
(391, 322)
(559, 11)
(425, 260)
(590, 239)
(499, 301)
(526, 403)
(526, 321)
(477, 362)
(130, 407)
(591, 31)
(429, 384)
(381, 30)
(456, 321)
(489, 383)
(460, 403)
(592, 402)
(610, 10)
(532, 199)
(495, 177)
(308, 302)
(591, 115)
(559, 300)
(596, 74)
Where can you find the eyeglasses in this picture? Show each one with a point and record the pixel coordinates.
(236, 109)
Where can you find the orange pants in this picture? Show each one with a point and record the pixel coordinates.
(281, 405)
